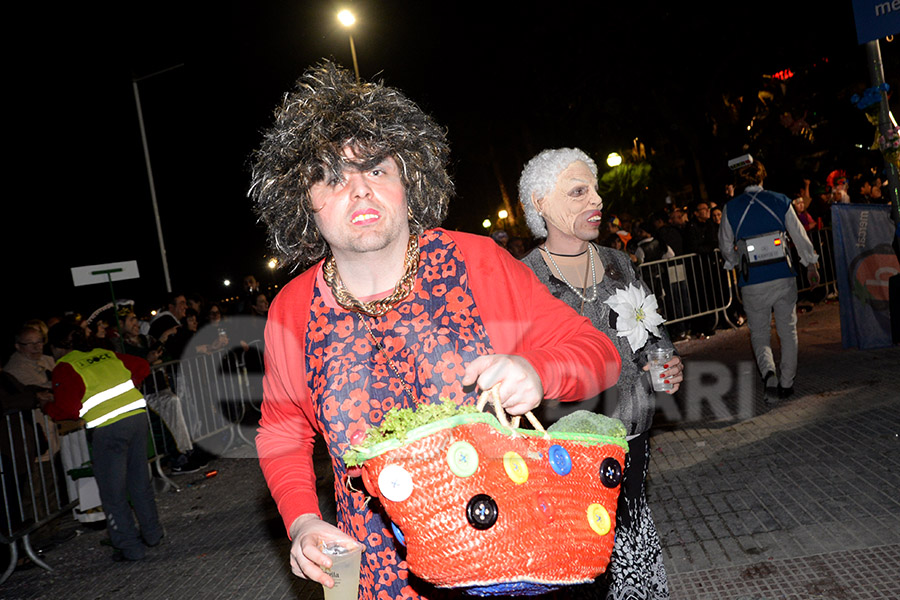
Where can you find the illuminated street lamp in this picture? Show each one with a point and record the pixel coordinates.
(502, 213)
(614, 159)
(347, 19)
(226, 283)
(273, 262)
(486, 223)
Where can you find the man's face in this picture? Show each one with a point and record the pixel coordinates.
(573, 207)
(876, 190)
(363, 211)
(31, 344)
(178, 309)
(250, 284)
(701, 213)
(132, 325)
(677, 217)
(261, 306)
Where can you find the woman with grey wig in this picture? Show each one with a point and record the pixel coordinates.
(558, 192)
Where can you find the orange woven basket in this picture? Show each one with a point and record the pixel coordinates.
(484, 505)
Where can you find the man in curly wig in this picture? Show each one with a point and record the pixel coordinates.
(394, 313)
(325, 114)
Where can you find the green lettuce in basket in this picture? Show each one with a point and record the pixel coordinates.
(585, 421)
(398, 422)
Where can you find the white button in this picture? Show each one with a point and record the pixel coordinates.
(395, 483)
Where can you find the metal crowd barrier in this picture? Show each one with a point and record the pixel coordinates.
(31, 483)
(690, 286)
(214, 393)
(823, 243)
(694, 285)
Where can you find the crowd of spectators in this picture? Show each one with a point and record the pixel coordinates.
(683, 227)
(182, 326)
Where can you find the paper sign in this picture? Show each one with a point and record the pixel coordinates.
(92, 274)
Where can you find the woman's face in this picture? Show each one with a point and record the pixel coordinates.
(215, 314)
(573, 207)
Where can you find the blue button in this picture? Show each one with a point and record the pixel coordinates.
(398, 534)
(560, 460)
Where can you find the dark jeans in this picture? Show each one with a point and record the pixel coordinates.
(120, 467)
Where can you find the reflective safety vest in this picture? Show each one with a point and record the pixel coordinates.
(109, 394)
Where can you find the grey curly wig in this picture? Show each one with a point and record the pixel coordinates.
(324, 113)
(539, 178)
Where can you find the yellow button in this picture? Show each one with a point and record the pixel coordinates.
(598, 519)
(515, 467)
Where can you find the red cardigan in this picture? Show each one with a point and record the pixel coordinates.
(573, 359)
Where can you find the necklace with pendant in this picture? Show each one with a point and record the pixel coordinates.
(390, 362)
(594, 291)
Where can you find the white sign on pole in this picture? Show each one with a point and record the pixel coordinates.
(105, 273)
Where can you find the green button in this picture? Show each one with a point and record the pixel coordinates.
(462, 458)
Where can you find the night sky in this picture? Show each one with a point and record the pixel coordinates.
(505, 80)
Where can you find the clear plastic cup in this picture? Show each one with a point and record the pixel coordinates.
(345, 561)
(657, 358)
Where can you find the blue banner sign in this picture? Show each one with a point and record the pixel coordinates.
(876, 19)
(864, 261)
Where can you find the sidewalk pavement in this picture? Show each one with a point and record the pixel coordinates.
(797, 501)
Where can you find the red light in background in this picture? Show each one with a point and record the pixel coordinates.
(783, 75)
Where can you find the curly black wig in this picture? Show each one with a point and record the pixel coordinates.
(326, 112)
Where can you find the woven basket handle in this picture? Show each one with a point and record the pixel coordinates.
(493, 396)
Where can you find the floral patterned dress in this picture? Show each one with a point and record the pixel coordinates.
(427, 339)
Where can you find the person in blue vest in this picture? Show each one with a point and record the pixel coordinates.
(756, 230)
(101, 387)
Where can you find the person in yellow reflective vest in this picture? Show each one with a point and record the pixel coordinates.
(101, 387)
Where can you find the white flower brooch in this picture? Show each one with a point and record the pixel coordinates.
(637, 315)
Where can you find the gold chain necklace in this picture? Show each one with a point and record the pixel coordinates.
(375, 308)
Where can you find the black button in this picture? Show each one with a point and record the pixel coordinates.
(610, 472)
(481, 511)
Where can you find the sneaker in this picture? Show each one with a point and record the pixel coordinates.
(785, 392)
(157, 542)
(771, 387)
(120, 556)
(192, 463)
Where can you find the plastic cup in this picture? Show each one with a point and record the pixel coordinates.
(345, 561)
(657, 358)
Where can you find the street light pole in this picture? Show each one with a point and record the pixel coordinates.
(347, 19)
(140, 115)
(886, 123)
(353, 52)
